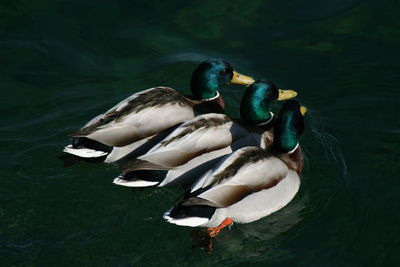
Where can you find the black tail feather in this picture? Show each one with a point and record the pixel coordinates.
(146, 175)
(83, 142)
(180, 212)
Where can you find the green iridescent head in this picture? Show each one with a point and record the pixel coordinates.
(289, 126)
(211, 75)
(257, 102)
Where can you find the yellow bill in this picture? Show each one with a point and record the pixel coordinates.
(303, 110)
(286, 94)
(241, 79)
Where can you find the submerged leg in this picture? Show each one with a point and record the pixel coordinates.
(213, 232)
(203, 238)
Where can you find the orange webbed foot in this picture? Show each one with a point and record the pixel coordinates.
(204, 238)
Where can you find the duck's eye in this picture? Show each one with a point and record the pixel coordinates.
(223, 72)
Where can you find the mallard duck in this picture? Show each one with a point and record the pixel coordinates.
(204, 138)
(152, 111)
(249, 183)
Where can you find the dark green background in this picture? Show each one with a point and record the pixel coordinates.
(62, 62)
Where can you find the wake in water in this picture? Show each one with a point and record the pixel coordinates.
(330, 145)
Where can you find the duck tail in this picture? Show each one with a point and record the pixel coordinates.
(141, 178)
(120, 180)
(135, 165)
(83, 147)
(192, 216)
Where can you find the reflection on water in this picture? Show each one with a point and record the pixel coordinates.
(259, 241)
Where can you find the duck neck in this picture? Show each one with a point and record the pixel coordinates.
(256, 108)
(211, 98)
(204, 89)
(294, 149)
(286, 137)
(267, 121)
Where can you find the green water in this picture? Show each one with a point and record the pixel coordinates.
(62, 62)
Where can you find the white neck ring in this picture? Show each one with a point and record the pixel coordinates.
(294, 149)
(268, 121)
(212, 98)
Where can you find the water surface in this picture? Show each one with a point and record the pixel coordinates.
(63, 62)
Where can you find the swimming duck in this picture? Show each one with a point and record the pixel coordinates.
(205, 138)
(152, 111)
(249, 183)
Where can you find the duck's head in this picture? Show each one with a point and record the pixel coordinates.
(258, 99)
(211, 75)
(289, 126)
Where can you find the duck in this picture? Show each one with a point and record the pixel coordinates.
(249, 183)
(189, 150)
(135, 120)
